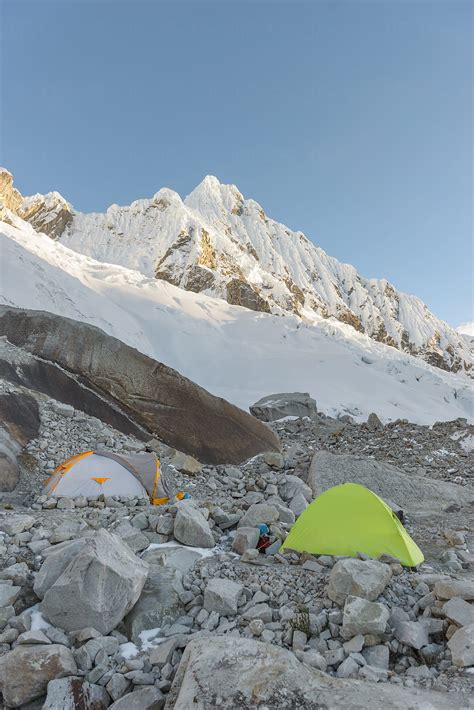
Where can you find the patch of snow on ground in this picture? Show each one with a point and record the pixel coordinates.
(149, 638)
(38, 622)
(203, 551)
(128, 650)
(467, 443)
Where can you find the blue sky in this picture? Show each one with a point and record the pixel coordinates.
(351, 121)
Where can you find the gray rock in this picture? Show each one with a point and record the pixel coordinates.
(285, 515)
(415, 494)
(117, 686)
(75, 693)
(222, 596)
(39, 664)
(364, 617)
(16, 523)
(352, 577)
(298, 503)
(159, 602)
(135, 539)
(245, 539)
(377, 656)
(373, 673)
(55, 563)
(185, 463)
(461, 645)
(448, 588)
(29, 637)
(165, 524)
(274, 459)
(412, 633)
(355, 645)
(373, 422)
(293, 485)
(177, 557)
(257, 627)
(98, 587)
(64, 410)
(299, 640)
(314, 660)
(259, 611)
(65, 504)
(348, 668)
(8, 594)
(149, 698)
(191, 528)
(459, 611)
(258, 513)
(285, 404)
(242, 673)
(163, 653)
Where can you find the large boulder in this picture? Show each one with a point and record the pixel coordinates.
(55, 563)
(9, 466)
(19, 423)
(26, 671)
(284, 404)
(159, 601)
(19, 415)
(234, 673)
(98, 588)
(75, 693)
(182, 414)
(461, 645)
(191, 527)
(416, 494)
(358, 578)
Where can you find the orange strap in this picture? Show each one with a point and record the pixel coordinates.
(159, 501)
(100, 480)
(157, 478)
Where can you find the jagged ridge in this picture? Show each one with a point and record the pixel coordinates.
(219, 243)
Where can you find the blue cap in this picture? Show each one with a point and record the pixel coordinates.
(263, 528)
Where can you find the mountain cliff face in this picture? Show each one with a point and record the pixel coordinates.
(216, 242)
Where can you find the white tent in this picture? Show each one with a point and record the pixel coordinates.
(92, 473)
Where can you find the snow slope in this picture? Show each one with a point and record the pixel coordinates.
(466, 329)
(214, 241)
(218, 243)
(234, 352)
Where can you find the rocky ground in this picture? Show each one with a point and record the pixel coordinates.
(115, 603)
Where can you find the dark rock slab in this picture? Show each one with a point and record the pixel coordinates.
(178, 411)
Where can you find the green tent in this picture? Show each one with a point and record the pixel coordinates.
(348, 519)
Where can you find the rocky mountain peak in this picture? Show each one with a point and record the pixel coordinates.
(217, 242)
(49, 213)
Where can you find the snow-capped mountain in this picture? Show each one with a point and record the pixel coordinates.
(466, 329)
(218, 243)
(233, 352)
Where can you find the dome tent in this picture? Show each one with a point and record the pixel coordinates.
(348, 519)
(92, 473)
